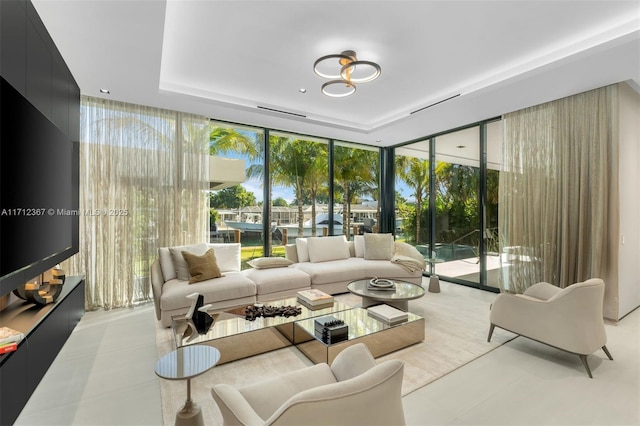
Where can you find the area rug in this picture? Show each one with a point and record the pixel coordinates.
(456, 328)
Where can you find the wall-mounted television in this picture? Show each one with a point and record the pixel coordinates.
(39, 216)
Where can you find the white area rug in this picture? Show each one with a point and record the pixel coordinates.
(456, 328)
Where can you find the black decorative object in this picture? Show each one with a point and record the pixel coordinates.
(331, 330)
(198, 315)
(252, 312)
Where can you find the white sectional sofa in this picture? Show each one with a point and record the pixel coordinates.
(326, 263)
(234, 288)
(332, 269)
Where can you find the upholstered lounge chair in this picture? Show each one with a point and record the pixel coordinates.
(353, 391)
(569, 319)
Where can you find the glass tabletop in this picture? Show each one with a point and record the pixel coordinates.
(231, 323)
(403, 290)
(187, 362)
(359, 321)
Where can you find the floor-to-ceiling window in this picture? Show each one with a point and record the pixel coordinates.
(447, 202)
(412, 195)
(299, 179)
(445, 198)
(236, 179)
(494, 163)
(457, 214)
(356, 176)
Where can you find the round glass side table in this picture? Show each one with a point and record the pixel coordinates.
(186, 363)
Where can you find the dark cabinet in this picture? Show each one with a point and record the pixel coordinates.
(46, 329)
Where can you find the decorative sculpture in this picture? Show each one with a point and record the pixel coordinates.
(40, 291)
(252, 312)
(198, 315)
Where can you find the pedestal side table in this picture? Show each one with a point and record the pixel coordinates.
(434, 281)
(186, 363)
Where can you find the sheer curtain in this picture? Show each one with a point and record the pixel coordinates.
(558, 192)
(143, 177)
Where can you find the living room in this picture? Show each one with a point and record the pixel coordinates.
(361, 124)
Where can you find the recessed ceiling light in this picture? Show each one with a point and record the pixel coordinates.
(303, 90)
(378, 140)
(105, 91)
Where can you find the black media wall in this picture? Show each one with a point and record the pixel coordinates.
(35, 70)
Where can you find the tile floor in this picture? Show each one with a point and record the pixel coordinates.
(104, 376)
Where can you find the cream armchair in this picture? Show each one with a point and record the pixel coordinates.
(353, 391)
(569, 319)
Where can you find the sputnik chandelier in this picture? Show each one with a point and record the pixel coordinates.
(344, 70)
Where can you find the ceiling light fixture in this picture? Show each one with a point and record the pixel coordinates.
(105, 91)
(344, 70)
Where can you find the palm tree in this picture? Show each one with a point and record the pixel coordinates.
(226, 140)
(317, 180)
(353, 172)
(415, 173)
(292, 165)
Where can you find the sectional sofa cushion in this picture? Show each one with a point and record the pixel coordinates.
(291, 252)
(378, 246)
(301, 250)
(228, 256)
(343, 270)
(324, 249)
(269, 262)
(278, 281)
(203, 267)
(358, 242)
(231, 286)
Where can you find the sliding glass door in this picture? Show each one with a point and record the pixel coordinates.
(457, 213)
(412, 183)
(447, 202)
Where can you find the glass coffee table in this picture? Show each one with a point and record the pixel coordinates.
(398, 297)
(236, 338)
(381, 338)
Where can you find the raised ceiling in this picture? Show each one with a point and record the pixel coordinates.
(230, 60)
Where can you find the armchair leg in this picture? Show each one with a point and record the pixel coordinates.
(490, 332)
(606, 351)
(583, 358)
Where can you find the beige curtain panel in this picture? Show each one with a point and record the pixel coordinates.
(143, 181)
(558, 192)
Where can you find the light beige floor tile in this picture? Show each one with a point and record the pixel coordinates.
(104, 376)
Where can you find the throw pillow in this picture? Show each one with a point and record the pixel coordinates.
(179, 264)
(269, 262)
(378, 246)
(358, 242)
(302, 250)
(203, 267)
(324, 249)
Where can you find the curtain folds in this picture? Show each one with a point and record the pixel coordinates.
(558, 192)
(143, 181)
